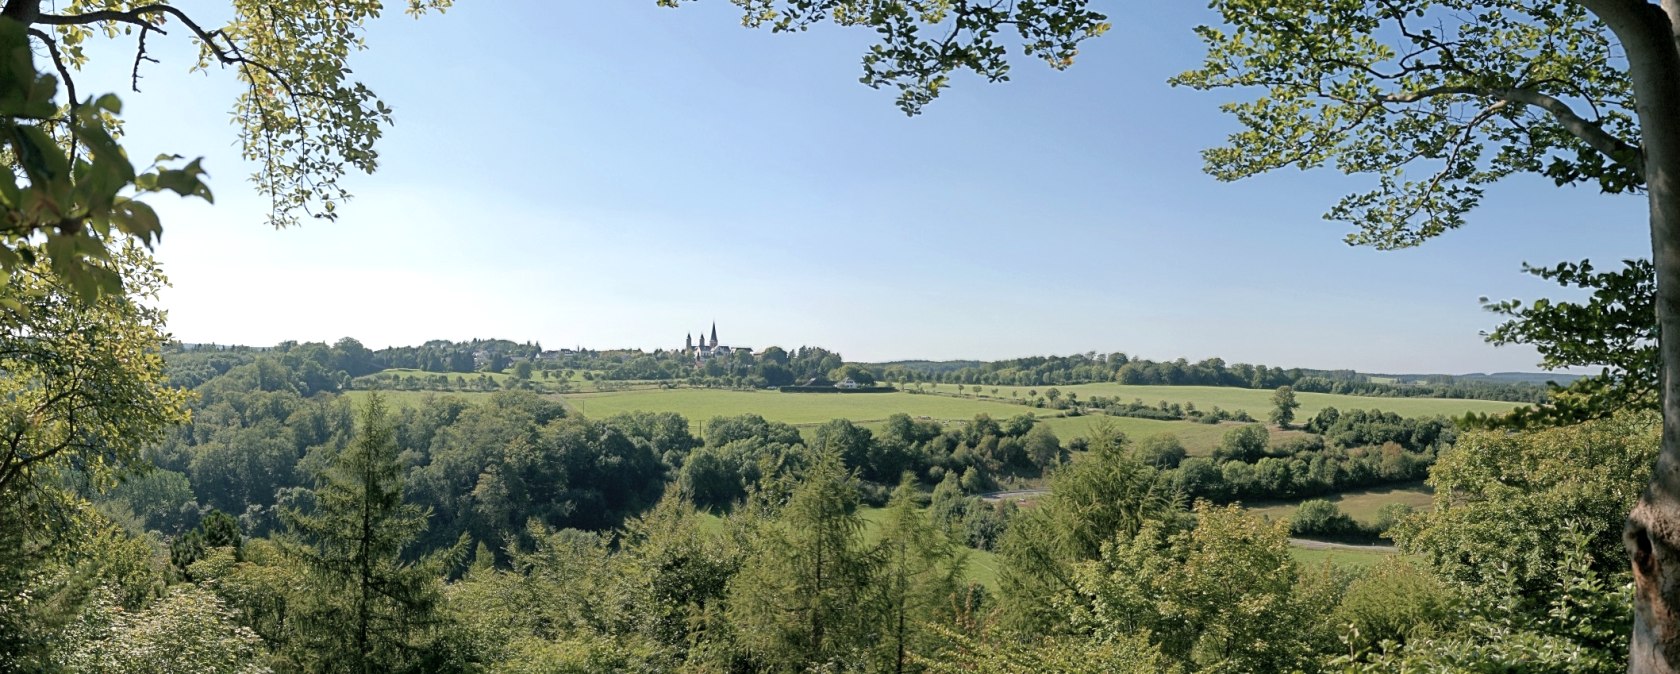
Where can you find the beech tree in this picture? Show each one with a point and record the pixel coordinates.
(72, 190)
(1438, 98)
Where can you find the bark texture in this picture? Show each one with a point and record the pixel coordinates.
(1653, 530)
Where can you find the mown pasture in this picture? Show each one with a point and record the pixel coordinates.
(808, 410)
(1347, 557)
(1360, 504)
(1257, 402)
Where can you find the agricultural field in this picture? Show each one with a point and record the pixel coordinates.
(1257, 402)
(1360, 504)
(871, 409)
(497, 377)
(798, 409)
(1347, 558)
(808, 410)
(981, 565)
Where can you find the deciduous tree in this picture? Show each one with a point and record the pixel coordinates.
(1439, 98)
(1284, 406)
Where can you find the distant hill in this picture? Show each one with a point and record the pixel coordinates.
(1562, 379)
(1520, 378)
(1534, 378)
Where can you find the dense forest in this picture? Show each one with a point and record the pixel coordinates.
(285, 528)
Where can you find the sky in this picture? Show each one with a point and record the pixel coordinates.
(614, 174)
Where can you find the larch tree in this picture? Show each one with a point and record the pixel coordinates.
(803, 599)
(920, 576)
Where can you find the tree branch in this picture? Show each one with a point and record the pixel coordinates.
(1592, 134)
(140, 55)
(228, 55)
(1619, 151)
(58, 62)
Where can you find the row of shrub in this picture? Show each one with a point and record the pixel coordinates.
(1319, 518)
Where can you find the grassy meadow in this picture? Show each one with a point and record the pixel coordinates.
(1342, 557)
(871, 409)
(1257, 402)
(1360, 504)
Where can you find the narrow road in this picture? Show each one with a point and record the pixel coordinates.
(1326, 545)
(1014, 495)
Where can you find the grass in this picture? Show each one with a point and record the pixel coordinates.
(798, 409)
(1360, 504)
(1198, 439)
(1257, 402)
(814, 409)
(871, 410)
(498, 377)
(1349, 559)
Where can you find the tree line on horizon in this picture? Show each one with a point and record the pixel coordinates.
(776, 367)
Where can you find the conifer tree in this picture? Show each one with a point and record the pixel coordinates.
(919, 576)
(801, 600)
(364, 609)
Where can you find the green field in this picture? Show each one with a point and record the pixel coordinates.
(498, 377)
(981, 565)
(813, 409)
(798, 409)
(866, 409)
(1360, 504)
(1255, 401)
(1350, 559)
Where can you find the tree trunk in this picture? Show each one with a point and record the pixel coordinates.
(1653, 528)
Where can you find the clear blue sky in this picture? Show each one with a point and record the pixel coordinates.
(613, 174)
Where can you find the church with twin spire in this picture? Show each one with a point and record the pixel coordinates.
(708, 350)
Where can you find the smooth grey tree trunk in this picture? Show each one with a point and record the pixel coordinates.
(1648, 34)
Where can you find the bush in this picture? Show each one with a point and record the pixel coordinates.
(1390, 515)
(1396, 601)
(1318, 517)
(1246, 444)
(984, 523)
(1162, 450)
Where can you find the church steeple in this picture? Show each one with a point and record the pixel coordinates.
(688, 345)
(714, 334)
